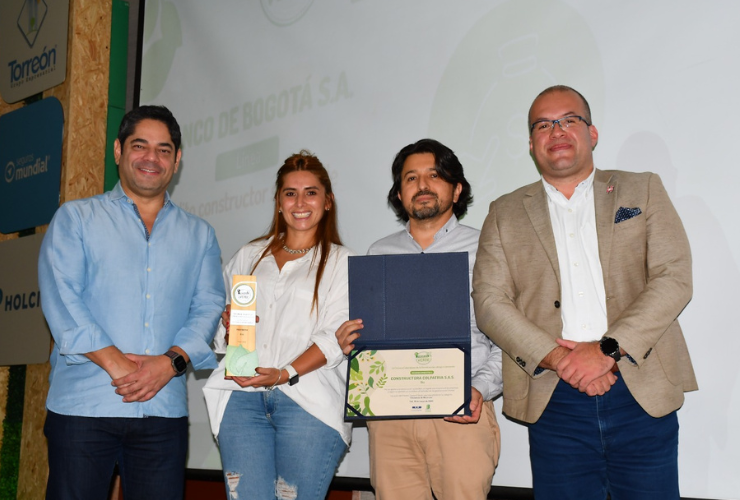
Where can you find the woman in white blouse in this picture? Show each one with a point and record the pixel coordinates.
(281, 433)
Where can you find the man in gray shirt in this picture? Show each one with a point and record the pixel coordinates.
(410, 459)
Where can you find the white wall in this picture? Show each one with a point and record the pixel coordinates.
(356, 80)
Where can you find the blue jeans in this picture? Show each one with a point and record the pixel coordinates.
(584, 447)
(272, 448)
(83, 452)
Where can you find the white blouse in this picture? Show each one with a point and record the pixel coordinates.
(287, 327)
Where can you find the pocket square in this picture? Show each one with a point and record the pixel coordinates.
(626, 213)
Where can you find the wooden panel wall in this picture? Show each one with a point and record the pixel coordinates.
(84, 98)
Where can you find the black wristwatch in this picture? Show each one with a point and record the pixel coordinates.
(178, 362)
(610, 347)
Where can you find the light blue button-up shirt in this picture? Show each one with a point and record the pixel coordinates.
(104, 283)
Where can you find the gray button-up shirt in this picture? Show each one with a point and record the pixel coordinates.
(485, 360)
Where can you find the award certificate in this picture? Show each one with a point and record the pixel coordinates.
(401, 383)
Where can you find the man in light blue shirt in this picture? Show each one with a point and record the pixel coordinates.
(131, 288)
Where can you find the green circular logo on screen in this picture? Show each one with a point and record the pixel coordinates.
(506, 58)
(285, 12)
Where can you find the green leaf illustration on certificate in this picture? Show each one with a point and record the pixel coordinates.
(361, 388)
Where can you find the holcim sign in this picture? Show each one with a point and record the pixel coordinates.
(24, 335)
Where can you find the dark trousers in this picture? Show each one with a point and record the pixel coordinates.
(83, 451)
(584, 447)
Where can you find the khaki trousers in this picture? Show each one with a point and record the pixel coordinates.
(410, 459)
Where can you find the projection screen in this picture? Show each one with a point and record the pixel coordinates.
(354, 81)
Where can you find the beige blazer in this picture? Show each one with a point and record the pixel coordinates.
(646, 263)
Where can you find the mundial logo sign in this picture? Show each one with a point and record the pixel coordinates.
(33, 46)
(30, 164)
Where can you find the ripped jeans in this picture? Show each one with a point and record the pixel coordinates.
(272, 448)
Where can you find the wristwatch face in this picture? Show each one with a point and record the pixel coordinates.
(179, 364)
(610, 347)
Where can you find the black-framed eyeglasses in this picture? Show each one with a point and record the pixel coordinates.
(545, 126)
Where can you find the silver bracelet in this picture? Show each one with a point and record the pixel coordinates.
(280, 375)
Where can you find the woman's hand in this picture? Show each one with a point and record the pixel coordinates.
(266, 377)
(225, 317)
(347, 334)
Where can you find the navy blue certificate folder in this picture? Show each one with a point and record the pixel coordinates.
(410, 301)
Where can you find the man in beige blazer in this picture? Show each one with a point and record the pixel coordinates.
(579, 278)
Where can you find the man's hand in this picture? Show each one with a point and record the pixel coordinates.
(584, 364)
(601, 385)
(153, 373)
(550, 362)
(347, 334)
(476, 405)
(113, 361)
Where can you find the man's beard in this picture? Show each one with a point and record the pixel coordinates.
(427, 212)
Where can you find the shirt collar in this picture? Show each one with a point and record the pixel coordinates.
(449, 226)
(118, 193)
(582, 189)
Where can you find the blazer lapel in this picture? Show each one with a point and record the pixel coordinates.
(535, 203)
(606, 190)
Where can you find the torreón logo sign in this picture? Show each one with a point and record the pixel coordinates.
(33, 52)
(30, 20)
(33, 67)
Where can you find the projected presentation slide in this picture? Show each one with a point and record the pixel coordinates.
(354, 81)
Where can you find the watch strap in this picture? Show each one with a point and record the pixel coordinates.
(293, 376)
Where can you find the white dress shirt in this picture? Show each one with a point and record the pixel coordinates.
(583, 298)
(287, 327)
